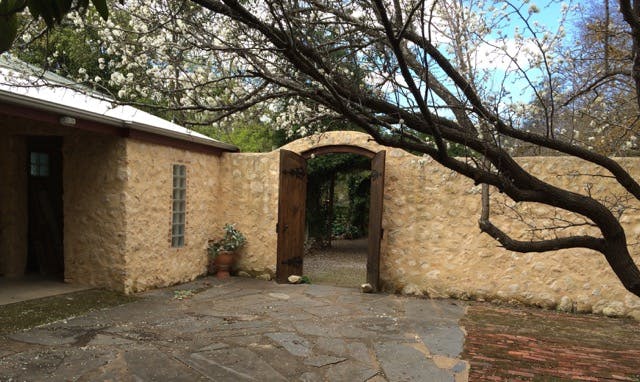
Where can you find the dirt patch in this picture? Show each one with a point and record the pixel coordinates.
(508, 344)
(28, 314)
(344, 264)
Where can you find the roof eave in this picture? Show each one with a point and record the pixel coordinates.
(30, 102)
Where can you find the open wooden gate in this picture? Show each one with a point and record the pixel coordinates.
(375, 220)
(291, 214)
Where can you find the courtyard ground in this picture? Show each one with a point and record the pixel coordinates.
(514, 344)
(344, 264)
(243, 329)
(246, 330)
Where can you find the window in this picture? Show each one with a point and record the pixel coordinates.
(179, 205)
(39, 164)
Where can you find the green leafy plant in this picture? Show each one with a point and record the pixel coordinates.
(231, 241)
(183, 294)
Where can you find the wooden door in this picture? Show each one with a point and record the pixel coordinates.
(291, 211)
(45, 254)
(375, 220)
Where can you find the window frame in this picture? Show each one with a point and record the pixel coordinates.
(39, 164)
(178, 205)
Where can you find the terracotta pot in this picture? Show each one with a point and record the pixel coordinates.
(223, 263)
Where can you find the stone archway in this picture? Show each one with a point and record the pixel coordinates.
(292, 193)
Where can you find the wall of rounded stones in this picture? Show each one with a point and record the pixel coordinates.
(150, 259)
(248, 198)
(93, 208)
(94, 173)
(432, 244)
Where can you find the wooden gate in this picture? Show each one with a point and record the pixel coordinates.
(291, 214)
(375, 220)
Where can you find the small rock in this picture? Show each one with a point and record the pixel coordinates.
(411, 290)
(243, 274)
(366, 288)
(583, 306)
(614, 309)
(635, 314)
(545, 301)
(264, 276)
(294, 279)
(565, 305)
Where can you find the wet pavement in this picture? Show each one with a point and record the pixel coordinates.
(32, 287)
(247, 330)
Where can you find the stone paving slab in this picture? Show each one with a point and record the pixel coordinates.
(247, 330)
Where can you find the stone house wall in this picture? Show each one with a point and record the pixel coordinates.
(249, 199)
(92, 205)
(150, 259)
(13, 198)
(432, 244)
(94, 176)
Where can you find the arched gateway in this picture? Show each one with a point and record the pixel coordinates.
(292, 198)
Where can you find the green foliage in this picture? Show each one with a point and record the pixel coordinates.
(250, 136)
(231, 241)
(52, 12)
(350, 176)
(351, 220)
(359, 186)
(324, 166)
(70, 53)
(8, 22)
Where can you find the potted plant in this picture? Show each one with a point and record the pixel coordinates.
(222, 253)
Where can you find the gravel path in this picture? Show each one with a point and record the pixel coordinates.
(344, 264)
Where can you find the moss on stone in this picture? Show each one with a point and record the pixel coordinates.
(28, 314)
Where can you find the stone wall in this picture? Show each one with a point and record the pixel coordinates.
(432, 244)
(150, 259)
(117, 221)
(13, 202)
(94, 173)
(249, 198)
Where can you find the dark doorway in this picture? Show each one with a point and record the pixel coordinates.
(337, 216)
(45, 251)
(291, 210)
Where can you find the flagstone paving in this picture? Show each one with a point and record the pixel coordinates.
(247, 330)
(250, 330)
